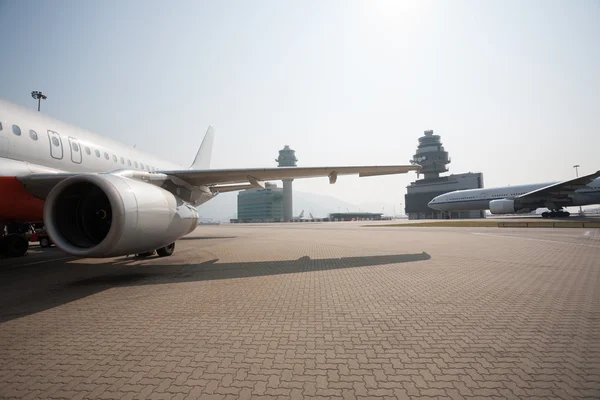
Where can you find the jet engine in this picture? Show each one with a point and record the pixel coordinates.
(110, 215)
(502, 206)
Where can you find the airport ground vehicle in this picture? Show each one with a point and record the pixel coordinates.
(39, 234)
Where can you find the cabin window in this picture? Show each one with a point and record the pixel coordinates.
(135, 163)
(114, 158)
(16, 130)
(141, 166)
(75, 147)
(33, 135)
(122, 161)
(97, 153)
(106, 155)
(88, 151)
(55, 141)
(0, 126)
(129, 162)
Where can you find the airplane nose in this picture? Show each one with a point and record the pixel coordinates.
(432, 204)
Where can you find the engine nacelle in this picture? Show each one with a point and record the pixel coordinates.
(502, 206)
(108, 215)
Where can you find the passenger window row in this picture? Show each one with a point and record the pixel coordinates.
(34, 136)
(122, 160)
(464, 198)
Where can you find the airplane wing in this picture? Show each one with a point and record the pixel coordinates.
(219, 180)
(214, 177)
(560, 189)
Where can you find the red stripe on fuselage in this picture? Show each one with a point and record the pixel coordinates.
(17, 204)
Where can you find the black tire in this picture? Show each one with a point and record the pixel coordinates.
(14, 245)
(545, 214)
(166, 251)
(44, 242)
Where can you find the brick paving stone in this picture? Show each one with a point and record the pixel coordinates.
(311, 311)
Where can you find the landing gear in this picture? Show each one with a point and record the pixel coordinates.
(166, 251)
(162, 252)
(13, 245)
(555, 214)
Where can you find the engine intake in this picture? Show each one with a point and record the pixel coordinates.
(108, 215)
(502, 206)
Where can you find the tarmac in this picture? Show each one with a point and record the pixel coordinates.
(329, 310)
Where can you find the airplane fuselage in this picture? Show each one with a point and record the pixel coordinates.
(31, 142)
(479, 199)
(47, 144)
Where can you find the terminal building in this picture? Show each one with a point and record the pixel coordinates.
(260, 205)
(433, 159)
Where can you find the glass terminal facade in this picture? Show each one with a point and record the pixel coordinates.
(261, 205)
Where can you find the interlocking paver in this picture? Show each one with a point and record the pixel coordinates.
(313, 311)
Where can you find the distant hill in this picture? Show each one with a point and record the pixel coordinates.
(224, 206)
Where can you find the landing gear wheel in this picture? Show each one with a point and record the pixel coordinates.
(145, 254)
(555, 214)
(44, 242)
(13, 246)
(166, 251)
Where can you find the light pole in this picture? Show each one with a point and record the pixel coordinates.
(39, 96)
(577, 176)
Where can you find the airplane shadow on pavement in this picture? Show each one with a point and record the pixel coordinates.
(28, 290)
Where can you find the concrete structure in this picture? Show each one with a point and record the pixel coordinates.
(287, 158)
(260, 205)
(433, 159)
(421, 192)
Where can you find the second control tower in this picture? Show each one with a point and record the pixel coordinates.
(434, 160)
(287, 158)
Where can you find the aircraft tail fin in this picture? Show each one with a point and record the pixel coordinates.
(202, 160)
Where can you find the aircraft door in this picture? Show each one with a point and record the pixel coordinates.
(56, 148)
(75, 150)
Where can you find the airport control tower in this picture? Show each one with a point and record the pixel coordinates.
(431, 156)
(434, 160)
(287, 158)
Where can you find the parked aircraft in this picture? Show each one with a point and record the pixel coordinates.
(581, 191)
(100, 198)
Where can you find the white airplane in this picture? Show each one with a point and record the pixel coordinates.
(581, 191)
(100, 198)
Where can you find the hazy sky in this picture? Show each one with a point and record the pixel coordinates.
(513, 87)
